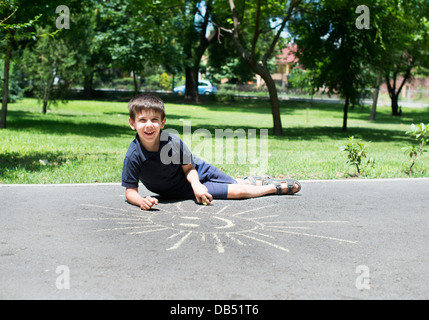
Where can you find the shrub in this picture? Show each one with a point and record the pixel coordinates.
(356, 152)
(419, 132)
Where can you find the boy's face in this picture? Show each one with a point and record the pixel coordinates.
(148, 124)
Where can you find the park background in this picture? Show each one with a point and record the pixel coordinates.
(314, 73)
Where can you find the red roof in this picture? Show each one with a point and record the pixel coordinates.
(288, 54)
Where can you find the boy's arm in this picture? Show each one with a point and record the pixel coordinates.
(133, 197)
(200, 191)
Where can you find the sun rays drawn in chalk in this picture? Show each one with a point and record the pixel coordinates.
(209, 224)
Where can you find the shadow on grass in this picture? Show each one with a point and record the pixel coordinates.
(263, 107)
(366, 134)
(309, 134)
(12, 161)
(62, 125)
(228, 101)
(38, 161)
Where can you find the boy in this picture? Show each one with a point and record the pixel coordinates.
(163, 163)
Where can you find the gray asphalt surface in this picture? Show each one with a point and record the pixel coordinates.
(357, 239)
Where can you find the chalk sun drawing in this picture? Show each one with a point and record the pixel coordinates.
(209, 222)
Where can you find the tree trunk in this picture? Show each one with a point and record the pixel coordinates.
(48, 92)
(374, 104)
(274, 100)
(6, 85)
(346, 111)
(260, 66)
(191, 93)
(45, 100)
(136, 85)
(191, 85)
(87, 85)
(45, 106)
(375, 98)
(393, 93)
(202, 41)
(172, 83)
(395, 105)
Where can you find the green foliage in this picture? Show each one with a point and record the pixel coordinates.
(50, 69)
(357, 151)
(333, 49)
(133, 36)
(16, 90)
(420, 133)
(165, 81)
(9, 23)
(300, 80)
(402, 42)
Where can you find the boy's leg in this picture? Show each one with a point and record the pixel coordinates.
(222, 186)
(245, 191)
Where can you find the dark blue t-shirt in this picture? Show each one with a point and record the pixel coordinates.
(161, 172)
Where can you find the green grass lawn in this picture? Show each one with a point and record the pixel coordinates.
(86, 141)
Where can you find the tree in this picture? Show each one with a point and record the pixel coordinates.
(12, 27)
(18, 27)
(252, 22)
(53, 64)
(51, 68)
(91, 45)
(182, 35)
(129, 37)
(336, 52)
(224, 62)
(403, 37)
(197, 16)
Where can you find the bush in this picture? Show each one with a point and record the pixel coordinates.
(165, 81)
(419, 132)
(356, 152)
(123, 83)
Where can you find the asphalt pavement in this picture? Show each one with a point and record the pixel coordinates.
(340, 239)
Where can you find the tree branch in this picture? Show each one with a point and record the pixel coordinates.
(206, 19)
(287, 17)
(235, 33)
(256, 32)
(9, 16)
(407, 75)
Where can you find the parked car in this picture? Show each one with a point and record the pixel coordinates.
(204, 87)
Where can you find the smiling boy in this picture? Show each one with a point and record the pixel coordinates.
(163, 163)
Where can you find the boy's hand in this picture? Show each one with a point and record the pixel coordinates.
(202, 193)
(148, 202)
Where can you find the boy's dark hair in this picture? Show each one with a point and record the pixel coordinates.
(146, 102)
